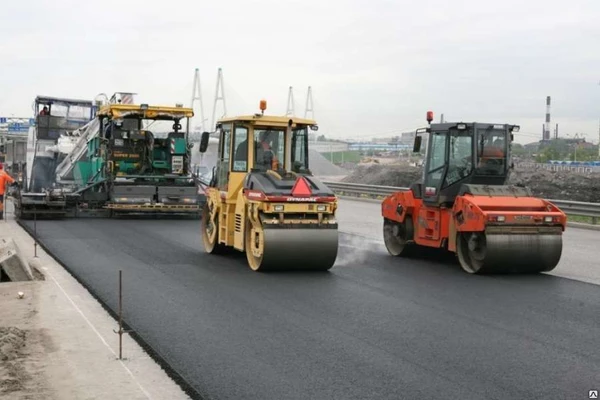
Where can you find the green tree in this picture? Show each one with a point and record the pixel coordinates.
(579, 153)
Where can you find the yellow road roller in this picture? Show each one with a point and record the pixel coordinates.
(262, 198)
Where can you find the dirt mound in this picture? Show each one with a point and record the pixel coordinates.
(12, 373)
(385, 175)
(561, 185)
(321, 166)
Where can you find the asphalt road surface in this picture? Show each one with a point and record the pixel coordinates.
(374, 327)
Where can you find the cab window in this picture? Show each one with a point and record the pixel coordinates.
(299, 150)
(437, 159)
(268, 149)
(491, 151)
(240, 146)
(460, 159)
(224, 157)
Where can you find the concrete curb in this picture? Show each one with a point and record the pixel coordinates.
(577, 225)
(12, 261)
(153, 354)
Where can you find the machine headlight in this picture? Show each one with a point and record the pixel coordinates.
(278, 207)
(500, 218)
(461, 126)
(548, 218)
(321, 207)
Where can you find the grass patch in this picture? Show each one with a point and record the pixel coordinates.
(582, 219)
(338, 157)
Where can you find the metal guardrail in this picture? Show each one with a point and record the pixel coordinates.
(579, 208)
(582, 169)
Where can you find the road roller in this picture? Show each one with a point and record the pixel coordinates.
(263, 199)
(464, 205)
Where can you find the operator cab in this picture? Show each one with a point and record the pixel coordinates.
(262, 153)
(144, 140)
(462, 153)
(56, 116)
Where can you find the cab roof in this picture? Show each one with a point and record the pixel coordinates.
(268, 120)
(148, 112)
(447, 125)
(49, 100)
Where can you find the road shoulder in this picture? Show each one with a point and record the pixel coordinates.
(58, 342)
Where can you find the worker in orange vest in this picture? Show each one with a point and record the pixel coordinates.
(4, 180)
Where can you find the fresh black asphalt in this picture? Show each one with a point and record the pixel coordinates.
(374, 327)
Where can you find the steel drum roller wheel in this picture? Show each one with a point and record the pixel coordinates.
(481, 253)
(396, 236)
(308, 248)
(210, 232)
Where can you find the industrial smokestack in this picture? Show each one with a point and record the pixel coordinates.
(547, 129)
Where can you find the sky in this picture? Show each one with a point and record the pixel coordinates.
(375, 67)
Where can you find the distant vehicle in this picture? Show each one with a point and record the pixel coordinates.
(112, 164)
